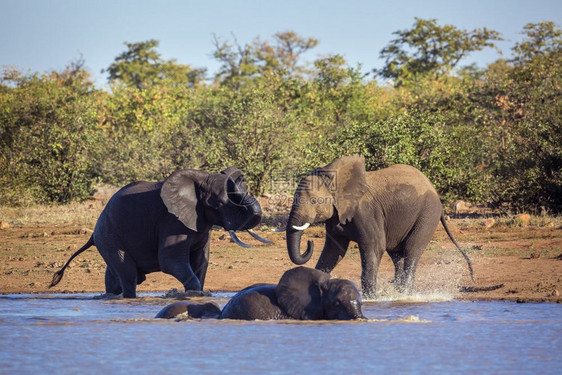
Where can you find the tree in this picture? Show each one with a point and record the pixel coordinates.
(250, 129)
(142, 66)
(242, 63)
(541, 39)
(340, 90)
(284, 55)
(529, 168)
(428, 49)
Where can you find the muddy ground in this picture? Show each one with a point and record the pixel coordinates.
(525, 256)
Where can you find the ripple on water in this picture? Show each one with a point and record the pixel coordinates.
(441, 334)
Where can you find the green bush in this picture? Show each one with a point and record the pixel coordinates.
(491, 136)
(49, 129)
(251, 129)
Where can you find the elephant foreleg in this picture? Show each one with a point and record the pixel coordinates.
(184, 273)
(174, 259)
(370, 260)
(199, 260)
(334, 250)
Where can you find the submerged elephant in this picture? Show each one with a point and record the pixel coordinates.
(302, 293)
(208, 310)
(395, 209)
(165, 226)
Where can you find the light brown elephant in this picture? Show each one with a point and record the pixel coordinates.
(395, 209)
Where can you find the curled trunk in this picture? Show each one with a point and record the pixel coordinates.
(243, 213)
(294, 245)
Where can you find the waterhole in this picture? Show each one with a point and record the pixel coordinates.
(74, 333)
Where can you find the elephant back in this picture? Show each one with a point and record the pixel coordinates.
(299, 293)
(257, 302)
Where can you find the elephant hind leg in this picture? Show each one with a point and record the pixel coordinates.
(112, 283)
(413, 247)
(407, 284)
(122, 268)
(398, 260)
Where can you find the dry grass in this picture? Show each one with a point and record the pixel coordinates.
(39, 239)
(75, 214)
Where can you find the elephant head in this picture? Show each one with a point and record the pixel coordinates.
(199, 198)
(309, 294)
(328, 191)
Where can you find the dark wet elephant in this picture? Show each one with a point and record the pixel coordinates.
(395, 209)
(302, 293)
(208, 310)
(165, 226)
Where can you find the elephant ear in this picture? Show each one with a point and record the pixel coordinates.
(181, 194)
(299, 293)
(348, 184)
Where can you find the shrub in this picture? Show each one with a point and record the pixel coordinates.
(49, 129)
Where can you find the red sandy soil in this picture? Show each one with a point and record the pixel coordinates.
(525, 257)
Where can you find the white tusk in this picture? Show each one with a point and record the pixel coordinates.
(237, 240)
(258, 237)
(279, 229)
(302, 227)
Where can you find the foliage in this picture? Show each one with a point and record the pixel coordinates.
(141, 66)
(542, 39)
(240, 64)
(489, 135)
(49, 127)
(142, 130)
(530, 163)
(430, 49)
(251, 130)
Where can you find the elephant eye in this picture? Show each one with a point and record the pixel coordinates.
(215, 202)
(337, 303)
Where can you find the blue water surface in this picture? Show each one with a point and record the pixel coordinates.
(78, 334)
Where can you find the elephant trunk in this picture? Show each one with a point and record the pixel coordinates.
(356, 312)
(243, 212)
(253, 211)
(294, 244)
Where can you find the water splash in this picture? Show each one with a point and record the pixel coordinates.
(412, 297)
(438, 282)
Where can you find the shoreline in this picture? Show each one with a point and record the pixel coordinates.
(525, 257)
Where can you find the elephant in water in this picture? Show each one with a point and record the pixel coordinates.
(207, 310)
(395, 209)
(302, 293)
(165, 226)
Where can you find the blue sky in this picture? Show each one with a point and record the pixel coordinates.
(41, 35)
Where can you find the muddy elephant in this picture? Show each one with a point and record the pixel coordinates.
(302, 293)
(208, 310)
(395, 209)
(165, 226)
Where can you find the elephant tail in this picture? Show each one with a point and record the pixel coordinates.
(58, 275)
(444, 222)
